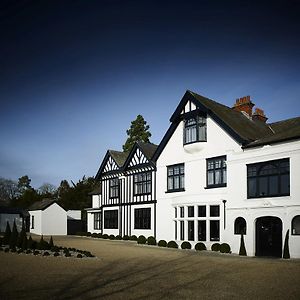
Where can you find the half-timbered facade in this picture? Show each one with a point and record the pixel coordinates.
(125, 204)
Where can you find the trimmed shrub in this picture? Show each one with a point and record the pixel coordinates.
(13, 237)
(1, 249)
(186, 245)
(7, 234)
(28, 251)
(126, 237)
(29, 242)
(162, 243)
(6, 250)
(242, 251)
(36, 252)
(88, 234)
(51, 244)
(67, 254)
(94, 235)
(56, 254)
(151, 240)
(20, 251)
(118, 237)
(13, 249)
(286, 251)
(172, 244)
(46, 253)
(200, 246)
(105, 236)
(111, 237)
(225, 248)
(215, 247)
(141, 240)
(133, 238)
(43, 245)
(99, 235)
(79, 255)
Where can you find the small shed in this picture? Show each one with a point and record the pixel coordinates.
(48, 217)
(11, 215)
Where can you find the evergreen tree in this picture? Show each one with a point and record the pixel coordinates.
(24, 242)
(14, 237)
(21, 237)
(30, 243)
(51, 244)
(286, 251)
(242, 247)
(7, 234)
(138, 132)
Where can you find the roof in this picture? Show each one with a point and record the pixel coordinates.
(43, 204)
(148, 149)
(247, 132)
(119, 157)
(13, 210)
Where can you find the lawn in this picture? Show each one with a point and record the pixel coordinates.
(125, 270)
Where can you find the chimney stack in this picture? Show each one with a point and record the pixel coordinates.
(244, 104)
(259, 115)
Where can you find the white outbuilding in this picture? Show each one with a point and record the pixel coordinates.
(48, 217)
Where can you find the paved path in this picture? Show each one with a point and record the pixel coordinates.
(125, 270)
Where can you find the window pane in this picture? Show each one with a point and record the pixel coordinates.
(296, 225)
(201, 211)
(201, 230)
(214, 211)
(175, 230)
(175, 212)
(285, 184)
(252, 187)
(215, 230)
(218, 177)
(210, 177)
(273, 185)
(181, 212)
(263, 186)
(182, 230)
(190, 211)
(191, 232)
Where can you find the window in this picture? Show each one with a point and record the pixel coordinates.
(202, 230)
(97, 221)
(194, 130)
(142, 218)
(182, 230)
(201, 211)
(176, 178)
(32, 222)
(216, 172)
(181, 212)
(190, 211)
(175, 212)
(114, 188)
(214, 210)
(111, 219)
(191, 231)
(240, 226)
(296, 225)
(214, 230)
(269, 179)
(142, 183)
(175, 230)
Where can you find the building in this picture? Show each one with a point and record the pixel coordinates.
(125, 202)
(12, 214)
(47, 217)
(219, 173)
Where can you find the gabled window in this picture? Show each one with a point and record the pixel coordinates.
(114, 188)
(97, 220)
(216, 172)
(194, 130)
(111, 219)
(142, 183)
(142, 218)
(269, 179)
(176, 178)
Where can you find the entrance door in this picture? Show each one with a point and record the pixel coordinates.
(268, 237)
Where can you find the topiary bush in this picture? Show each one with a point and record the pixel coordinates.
(200, 246)
(13, 237)
(133, 238)
(172, 244)
(111, 237)
(118, 237)
(56, 254)
(7, 234)
(186, 245)
(88, 234)
(225, 248)
(286, 251)
(126, 237)
(94, 235)
(105, 236)
(6, 250)
(141, 240)
(151, 240)
(46, 253)
(36, 252)
(162, 243)
(215, 247)
(28, 251)
(79, 255)
(99, 235)
(242, 251)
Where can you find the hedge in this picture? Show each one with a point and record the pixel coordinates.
(162, 243)
(200, 246)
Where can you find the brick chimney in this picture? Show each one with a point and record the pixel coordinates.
(244, 104)
(259, 115)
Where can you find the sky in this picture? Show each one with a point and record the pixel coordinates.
(74, 74)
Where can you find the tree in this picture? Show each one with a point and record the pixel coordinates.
(13, 237)
(286, 251)
(24, 183)
(63, 188)
(242, 247)
(47, 190)
(8, 190)
(138, 132)
(7, 234)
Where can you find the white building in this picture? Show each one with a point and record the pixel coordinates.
(47, 217)
(224, 171)
(125, 202)
(218, 173)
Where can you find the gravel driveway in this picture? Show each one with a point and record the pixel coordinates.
(125, 270)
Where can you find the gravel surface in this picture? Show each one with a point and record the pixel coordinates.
(125, 270)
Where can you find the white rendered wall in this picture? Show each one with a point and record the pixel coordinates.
(54, 220)
(37, 221)
(74, 214)
(96, 201)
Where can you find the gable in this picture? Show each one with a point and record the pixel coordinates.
(110, 165)
(138, 158)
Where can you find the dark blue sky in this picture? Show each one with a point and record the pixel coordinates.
(74, 74)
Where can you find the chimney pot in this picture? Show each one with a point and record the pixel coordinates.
(244, 104)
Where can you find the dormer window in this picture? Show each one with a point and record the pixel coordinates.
(194, 129)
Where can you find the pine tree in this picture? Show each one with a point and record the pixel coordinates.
(14, 237)
(7, 234)
(138, 132)
(51, 244)
(30, 243)
(242, 247)
(286, 251)
(21, 237)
